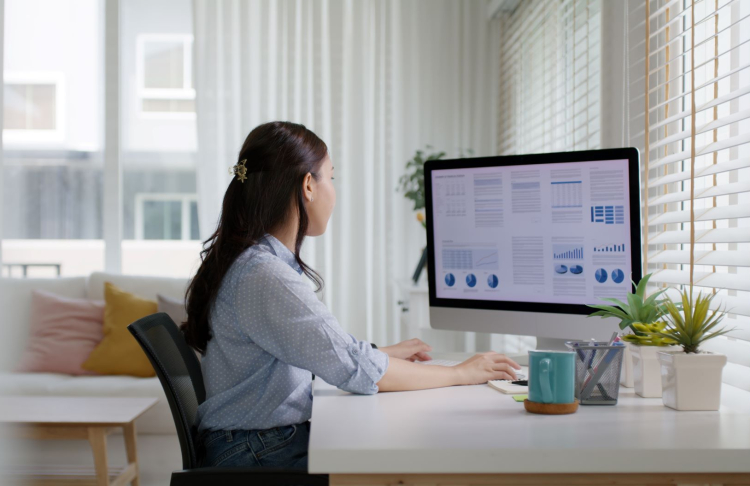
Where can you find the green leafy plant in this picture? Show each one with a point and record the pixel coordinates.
(412, 183)
(690, 322)
(641, 314)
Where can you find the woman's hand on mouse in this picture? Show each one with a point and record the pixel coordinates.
(484, 367)
(410, 350)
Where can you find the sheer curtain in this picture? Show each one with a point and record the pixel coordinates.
(376, 80)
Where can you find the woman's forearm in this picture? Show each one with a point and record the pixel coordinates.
(403, 375)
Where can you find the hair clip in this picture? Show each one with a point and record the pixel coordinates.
(240, 170)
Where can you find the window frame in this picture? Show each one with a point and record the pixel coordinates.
(185, 199)
(19, 138)
(187, 92)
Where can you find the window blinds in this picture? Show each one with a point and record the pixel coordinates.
(549, 86)
(696, 157)
(550, 77)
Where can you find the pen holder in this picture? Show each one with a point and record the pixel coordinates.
(598, 367)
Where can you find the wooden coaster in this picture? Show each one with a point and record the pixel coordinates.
(550, 408)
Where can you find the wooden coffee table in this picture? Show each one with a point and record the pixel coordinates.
(88, 418)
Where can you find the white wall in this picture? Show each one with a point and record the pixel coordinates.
(613, 80)
(622, 91)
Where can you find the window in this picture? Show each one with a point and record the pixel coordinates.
(696, 157)
(166, 217)
(549, 77)
(159, 139)
(164, 72)
(56, 212)
(52, 184)
(34, 107)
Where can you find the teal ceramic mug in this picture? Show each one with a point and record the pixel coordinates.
(552, 376)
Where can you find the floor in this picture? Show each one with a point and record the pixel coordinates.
(158, 456)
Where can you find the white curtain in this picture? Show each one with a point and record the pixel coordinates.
(376, 80)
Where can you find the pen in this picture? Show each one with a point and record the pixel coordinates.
(598, 372)
(592, 368)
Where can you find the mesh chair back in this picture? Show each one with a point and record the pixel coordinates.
(179, 372)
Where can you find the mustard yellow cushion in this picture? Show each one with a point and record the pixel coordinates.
(119, 353)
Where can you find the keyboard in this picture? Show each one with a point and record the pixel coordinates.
(448, 362)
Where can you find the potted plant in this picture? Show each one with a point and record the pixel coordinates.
(691, 379)
(645, 348)
(643, 316)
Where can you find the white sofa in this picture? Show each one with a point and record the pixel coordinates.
(158, 447)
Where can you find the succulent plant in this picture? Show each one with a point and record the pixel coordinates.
(641, 315)
(690, 323)
(649, 334)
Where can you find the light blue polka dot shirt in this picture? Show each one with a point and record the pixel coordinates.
(269, 332)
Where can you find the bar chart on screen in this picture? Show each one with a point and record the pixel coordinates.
(615, 248)
(567, 252)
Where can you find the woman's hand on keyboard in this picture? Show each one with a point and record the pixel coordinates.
(411, 350)
(484, 367)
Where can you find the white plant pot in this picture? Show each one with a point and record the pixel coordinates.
(691, 381)
(646, 370)
(626, 376)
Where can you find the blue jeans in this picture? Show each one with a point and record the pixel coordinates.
(280, 447)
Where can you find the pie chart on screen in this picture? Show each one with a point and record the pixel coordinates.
(471, 280)
(492, 281)
(576, 269)
(601, 275)
(617, 275)
(561, 269)
(450, 280)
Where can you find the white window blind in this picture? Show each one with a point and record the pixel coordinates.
(696, 157)
(549, 90)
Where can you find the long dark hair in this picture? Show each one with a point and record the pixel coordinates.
(278, 157)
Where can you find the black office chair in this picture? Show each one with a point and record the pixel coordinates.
(179, 372)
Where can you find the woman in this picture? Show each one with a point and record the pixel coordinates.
(259, 326)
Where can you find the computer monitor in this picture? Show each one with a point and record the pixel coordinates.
(520, 244)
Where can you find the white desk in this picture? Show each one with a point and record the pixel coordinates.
(475, 430)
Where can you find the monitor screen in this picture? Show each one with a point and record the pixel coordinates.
(533, 230)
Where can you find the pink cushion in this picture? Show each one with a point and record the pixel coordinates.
(63, 332)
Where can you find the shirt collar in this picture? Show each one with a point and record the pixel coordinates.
(280, 250)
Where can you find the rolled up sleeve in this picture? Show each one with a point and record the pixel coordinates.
(279, 311)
